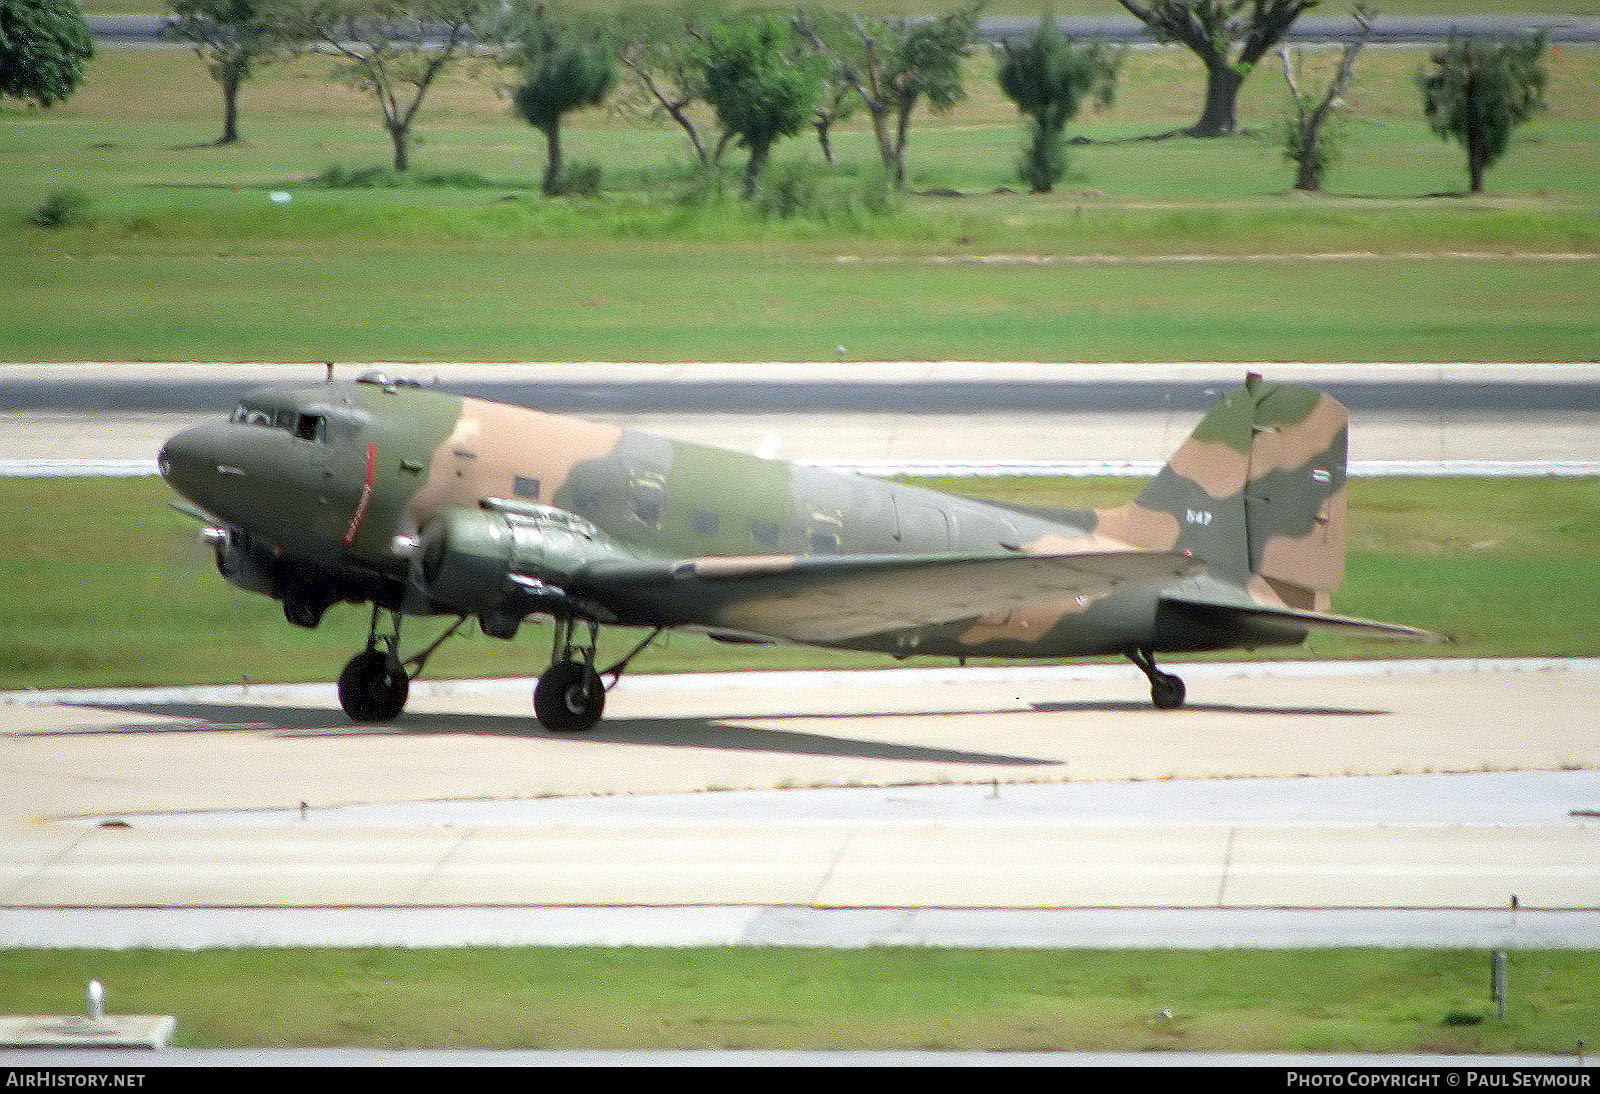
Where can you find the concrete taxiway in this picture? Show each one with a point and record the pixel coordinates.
(1053, 794)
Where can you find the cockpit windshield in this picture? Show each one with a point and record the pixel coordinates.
(307, 427)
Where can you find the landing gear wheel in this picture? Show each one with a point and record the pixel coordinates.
(373, 687)
(569, 697)
(1166, 691)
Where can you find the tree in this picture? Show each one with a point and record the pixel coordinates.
(1048, 77)
(760, 85)
(43, 47)
(563, 69)
(837, 103)
(895, 64)
(1479, 90)
(232, 37)
(659, 51)
(1211, 29)
(1305, 140)
(394, 49)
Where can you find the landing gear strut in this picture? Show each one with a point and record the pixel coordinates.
(375, 682)
(374, 685)
(571, 693)
(569, 698)
(1166, 690)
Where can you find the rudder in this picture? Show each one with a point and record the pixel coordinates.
(1257, 493)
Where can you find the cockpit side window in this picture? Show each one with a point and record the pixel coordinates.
(309, 427)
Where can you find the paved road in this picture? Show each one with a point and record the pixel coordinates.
(855, 388)
(868, 413)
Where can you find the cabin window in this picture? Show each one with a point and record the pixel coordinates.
(703, 522)
(824, 541)
(308, 427)
(246, 415)
(764, 533)
(647, 495)
(824, 534)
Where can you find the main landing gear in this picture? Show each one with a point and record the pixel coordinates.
(1166, 690)
(375, 682)
(569, 698)
(571, 693)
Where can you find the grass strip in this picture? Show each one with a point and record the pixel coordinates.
(106, 585)
(1347, 1000)
(1150, 250)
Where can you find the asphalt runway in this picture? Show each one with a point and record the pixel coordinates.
(883, 416)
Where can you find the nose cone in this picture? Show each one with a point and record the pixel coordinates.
(196, 464)
(180, 460)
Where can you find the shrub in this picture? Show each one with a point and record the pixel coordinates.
(62, 208)
(581, 179)
(800, 190)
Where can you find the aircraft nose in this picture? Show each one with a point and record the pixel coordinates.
(192, 463)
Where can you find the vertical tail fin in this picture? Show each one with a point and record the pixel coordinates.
(1257, 492)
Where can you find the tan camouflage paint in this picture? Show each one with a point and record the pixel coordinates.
(1269, 456)
(493, 444)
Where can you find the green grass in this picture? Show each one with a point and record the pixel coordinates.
(1244, 1000)
(184, 255)
(621, 302)
(106, 585)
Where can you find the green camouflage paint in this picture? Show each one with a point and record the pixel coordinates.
(434, 503)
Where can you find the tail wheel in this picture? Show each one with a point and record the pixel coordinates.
(569, 698)
(373, 687)
(1167, 691)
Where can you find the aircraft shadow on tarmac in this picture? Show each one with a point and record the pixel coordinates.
(1132, 706)
(726, 734)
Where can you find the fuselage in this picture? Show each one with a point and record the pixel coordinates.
(331, 488)
(427, 503)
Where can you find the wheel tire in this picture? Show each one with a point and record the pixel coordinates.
(1167, 692)
(569, 698)
(372, 688)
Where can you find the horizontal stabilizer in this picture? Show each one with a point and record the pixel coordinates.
(1268, 617)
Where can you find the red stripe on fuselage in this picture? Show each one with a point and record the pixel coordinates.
(366, 497)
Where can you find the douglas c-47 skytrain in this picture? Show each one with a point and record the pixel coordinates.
(427, 503)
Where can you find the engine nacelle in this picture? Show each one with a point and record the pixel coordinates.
(307, 590)
(503, 563)
(245, 564)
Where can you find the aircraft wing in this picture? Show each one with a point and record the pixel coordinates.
(831, 598)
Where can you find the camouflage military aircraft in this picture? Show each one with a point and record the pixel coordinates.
(427, 503)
